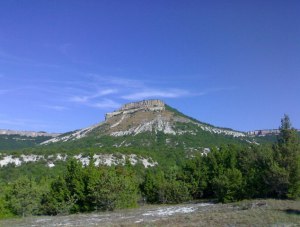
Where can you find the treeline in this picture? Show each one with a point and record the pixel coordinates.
(227, 173)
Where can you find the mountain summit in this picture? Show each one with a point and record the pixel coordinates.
(148, 123)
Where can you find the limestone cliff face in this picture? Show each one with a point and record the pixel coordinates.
(145, 105)
(27, 133)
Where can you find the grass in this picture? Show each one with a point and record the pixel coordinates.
(268, 212)
(245, 213)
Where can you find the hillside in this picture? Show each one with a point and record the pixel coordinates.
(149, 124)
(147, 132)
(12, 139)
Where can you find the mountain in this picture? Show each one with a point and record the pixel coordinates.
(150, 124)
(12, 139)
(148, 132)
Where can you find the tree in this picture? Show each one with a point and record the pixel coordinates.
(227, 186)
(59, 200)
(194, 174)
(109, 188)
(24, 197)
(164, 187)
(74, 179)
(287, 152)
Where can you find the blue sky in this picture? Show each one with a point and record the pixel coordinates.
(64, 64)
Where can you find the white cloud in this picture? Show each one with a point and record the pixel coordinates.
(79, 99)
(97, 94)
(58, 108)
(116, 81)
(106, 92)
(171, 93)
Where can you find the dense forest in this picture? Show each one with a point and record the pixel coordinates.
(227, 173)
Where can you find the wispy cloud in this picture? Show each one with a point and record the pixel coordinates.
(116, 81)
(95, 95)
(218, 89)
(118, 89)
(55, 107)
(169, 93)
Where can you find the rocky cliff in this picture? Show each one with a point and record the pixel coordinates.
(145, 105)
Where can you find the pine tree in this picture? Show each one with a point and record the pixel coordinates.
(287, 152)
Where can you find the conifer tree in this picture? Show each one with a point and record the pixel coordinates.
(287, 152)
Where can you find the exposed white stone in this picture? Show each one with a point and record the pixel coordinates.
(168, 211)
(50, 165)
(26, 133)
(31, 158)
(147, 163)
(221, 131)
(73, 136)
(10, 160)
(159, 124)
(61, 157)
(100, 159)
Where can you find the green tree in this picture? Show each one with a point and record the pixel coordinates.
(164, 187)
(59, 200)
(110, 188)
(74, 179)
(194, 174)
(287, 152)
(227, 186)
(24, 197)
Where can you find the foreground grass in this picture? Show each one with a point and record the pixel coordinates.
(245, 213)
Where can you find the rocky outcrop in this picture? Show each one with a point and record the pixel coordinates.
(99, 159)
(146, 105)
(27, 133)
(265, 132)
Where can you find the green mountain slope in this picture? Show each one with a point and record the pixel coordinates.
(150, 125)
(18, 141)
